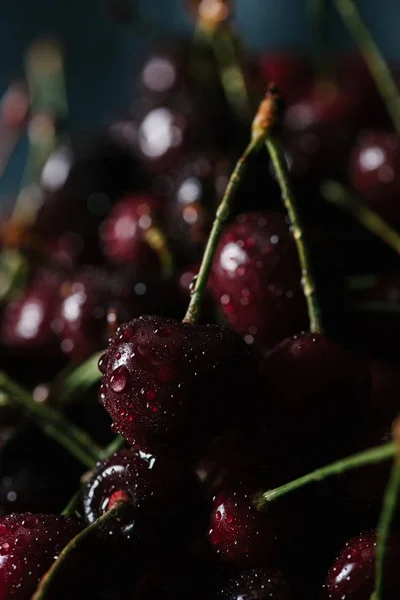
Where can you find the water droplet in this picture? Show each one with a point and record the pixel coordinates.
(102, 364)
(3, 529)
(150, 394)
(192, 284)
(163, 332)
(30, 522)
(4, 548)
(119, 379)
(21, 540)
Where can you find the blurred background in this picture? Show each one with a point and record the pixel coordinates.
(102, 55)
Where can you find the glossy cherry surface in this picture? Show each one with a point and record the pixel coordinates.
(29, 544)
(175, 383)
(352, 575)
(123, 233)
(239, 533)
(164, 493)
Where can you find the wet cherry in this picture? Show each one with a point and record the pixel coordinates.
(173, 383)
(352, 575)
(164, 493)
(238, 532)
(28, 546)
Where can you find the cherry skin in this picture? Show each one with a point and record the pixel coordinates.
(165, 495)
(256, 278)
(352, 575)
(238, 532)
(81, 322)
(373, 172)
(258, 584)
(316, 387)
(28, 546)
(26, 321)
(123, 233)
(166, 382)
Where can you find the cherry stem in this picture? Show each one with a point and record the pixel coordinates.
(390, 501)
(321, 40)
(52, 423)
(373, 57)
(278, 160)
(157, 241)
(222, 214)
(119, 511)
(367, 457)
(214, 27)
(335, 193)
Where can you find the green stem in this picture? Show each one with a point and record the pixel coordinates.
(119, 511)
(221, 217)
(375, 60)
(158, 242)
(367, 457)
(53, 423)
(390, 501)
(278, 160)
(335, 193)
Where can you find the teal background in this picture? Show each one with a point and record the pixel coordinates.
(101, 56)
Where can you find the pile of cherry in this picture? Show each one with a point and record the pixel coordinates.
(216, 412)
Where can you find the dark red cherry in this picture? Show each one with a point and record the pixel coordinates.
(238, 532)
(29, 544)
(26, 320)
(123, 233)
(258, 584)
(317, 391)
(352, 575)
(373, 172)
(81, 323)
(256, 278)
(175, 383)
(165, 495)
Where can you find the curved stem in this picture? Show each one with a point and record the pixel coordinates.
(367, 457)
(308, 281)
(390, 501)
(53, 423)
(119, 511)
(375, 60)
(157, 241)
(335, 193)
(221, 217)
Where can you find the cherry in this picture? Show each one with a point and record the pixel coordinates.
(123, 233)
(352, 575)
(28, 546)
(258, 584)
(256, 278)
(165, 495)
(373, 168)
(81, 322)
(26, 320)
(175, 383)
(316, 387)
(239, 533)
